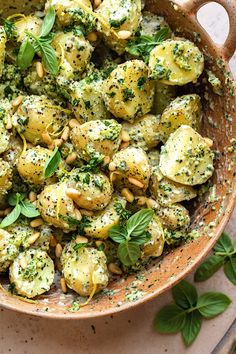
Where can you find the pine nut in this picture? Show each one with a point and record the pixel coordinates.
(7, 211)
(124, 145)
(2, 213)
(73, 123)
(99, 243)
(46, 138)
(71, 158)
(124, 34)
(209, 142)
(29, 145)
(106, 160)
(125, 136)
(73, 193)
(65, 134)
(9, 122)
(113, 268)
(81, 239)
(37, 222)
(53, 241)
(113, 176)
(51, 146)
(151, 203)
(86, 212)
(125, 192)
(23, 263)
(97, 3)
(92, 37)
(39, 69)
(32, 196)
(63, 285)
(135, 182)
(141, 200)
(58, 250)
(33, 238)
(112, 166)
(17, 101)
(58, 142)
(78, 214)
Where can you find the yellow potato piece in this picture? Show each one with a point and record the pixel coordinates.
(154, 247)
(29, 23)
(5, 177)
(3, 40)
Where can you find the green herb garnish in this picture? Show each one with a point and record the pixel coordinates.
(224, 254)
(52, 163)
(186, 314)
(40, 44)
(117, 23)
(131, 236)
(128, 94)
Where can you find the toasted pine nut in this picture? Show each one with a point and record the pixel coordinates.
(86, 212)
(81, 239)
(32, 196)
(125, 136)
(73, 123)
(53, 241)
(51, 146)
(2, 213)
(209, 142)
(124, 145)
(124, 34)
(113, 176)
(29, 145)
(151, 203)
(23, 263)
(46, 138)
(99, 243)
(112, 166)
(135, 182)
(92, 37)
(63, 285)
(71, 158)
(125, 192)
(65, 134)
(7, 211)
(73, 193)
(9, 122)
(37, 222)
(141, 200)
(78, 214)
(39, 69)
(17, 101)
(33, 238)
(106, 160)
(58, 142)
(113, 268)
(58, 250)
(97, 3)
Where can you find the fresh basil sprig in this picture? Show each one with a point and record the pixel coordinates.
(21, 206)
(52, 163)
(142, 46)
(187, 313)
(40, 44)
(224, 254)
(131, 236)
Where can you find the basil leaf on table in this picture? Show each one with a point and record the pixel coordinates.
(185, 294)
(128, 253)
(28, 209)
(224, 244)
(230, 269)
(138, 222)
(26, 54)
(208, 268)
(48, 22)
(212, 304)
(52, 163)
(11, 217)
(191, 328)
(170, 319)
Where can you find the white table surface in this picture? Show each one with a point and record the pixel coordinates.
(130, 332)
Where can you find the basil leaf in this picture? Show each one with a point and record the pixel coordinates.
(48, 22)
(185, 294)
(28, 209)
(78, 246)
(191, 328)
(26, 54)
(52, 163)
(230, 269)
(142, 239)
(15, 198)
(138, 222)
(128, 253)
(212, 304)
(170, 319)
(49, 58)
(11, 218)
(224, 244)
(118, 234)
(208, 267)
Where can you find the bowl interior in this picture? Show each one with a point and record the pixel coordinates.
(208, 216)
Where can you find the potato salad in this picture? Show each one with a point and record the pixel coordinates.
(101, 148)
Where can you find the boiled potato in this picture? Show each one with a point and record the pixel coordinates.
(103, 137)
(31, 165)
(26, 24)
(95, 190)
(131, 163)
(154, 158)
(37, 115)
(9, 248)
(176, 62)
(102, 221)
(184, 110)
(144, 132)
(87, 101)
(154, 247)
(5, 107)
(128, 92)
(118, 16)
(151, 24)
(3, 40)
(85, 270)
(32, 273)
(73, 53)
(56, 208)
(168, 192)
(15, 150)
(186, 157)
(174, 216)
(69, 11)
(5, 177)
(164, 94)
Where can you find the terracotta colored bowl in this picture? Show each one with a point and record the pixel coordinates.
(220, 125)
